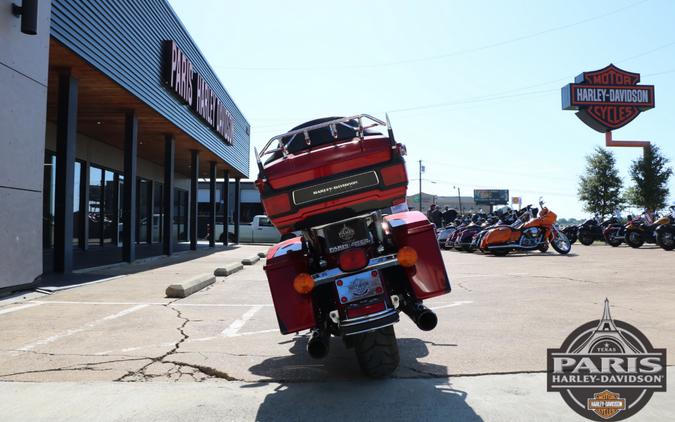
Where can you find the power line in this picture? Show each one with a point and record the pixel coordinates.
(442, 56)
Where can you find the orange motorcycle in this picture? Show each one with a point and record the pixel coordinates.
(526, 234)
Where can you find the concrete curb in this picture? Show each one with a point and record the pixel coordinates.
(250, 260)
(228, 269)
(190, 286)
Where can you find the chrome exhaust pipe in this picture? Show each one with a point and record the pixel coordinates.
(423, 317)
(318, 344)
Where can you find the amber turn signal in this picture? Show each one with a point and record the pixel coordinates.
(407, 256)
(303, 283)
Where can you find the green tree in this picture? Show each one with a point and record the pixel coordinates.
(650, 174)
(600, 187)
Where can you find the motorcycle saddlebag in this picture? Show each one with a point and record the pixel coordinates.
(295, 311)
(332, 181)
(428, 277)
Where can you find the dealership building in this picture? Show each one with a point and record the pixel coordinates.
(111, 116)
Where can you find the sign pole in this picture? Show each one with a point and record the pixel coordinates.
(609, 142)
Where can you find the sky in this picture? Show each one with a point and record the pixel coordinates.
(471, 88)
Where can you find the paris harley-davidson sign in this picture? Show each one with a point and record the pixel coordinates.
(608, 98)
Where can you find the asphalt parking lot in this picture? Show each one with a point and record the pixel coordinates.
(123, 351)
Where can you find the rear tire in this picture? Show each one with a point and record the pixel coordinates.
(586, 239)
(666, 240)
(634, 239)
(377, 352)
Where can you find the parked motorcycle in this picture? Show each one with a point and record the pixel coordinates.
(665, 233)
(616, 233)
(594, 229)
(571, 232)
(353, 270)
(464, 241)
(640, 231)
(531, 235)
(444, 234)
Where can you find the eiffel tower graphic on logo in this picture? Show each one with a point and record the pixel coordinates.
(606, 338)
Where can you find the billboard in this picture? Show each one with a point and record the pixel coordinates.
(491, 196)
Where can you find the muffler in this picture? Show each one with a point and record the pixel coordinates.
(423, 317)
(318, 344)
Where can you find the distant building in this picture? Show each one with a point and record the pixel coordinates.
(468, 205)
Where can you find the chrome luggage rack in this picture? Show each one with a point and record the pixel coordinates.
(332, 125)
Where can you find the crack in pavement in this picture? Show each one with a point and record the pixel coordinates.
(141, 373)
(89, 366)
(84, 355)
(578, 280)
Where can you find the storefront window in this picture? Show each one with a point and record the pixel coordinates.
(142, 210)
(180, 215)
(157, 216)
(120, 210)
(109, 205)
(76, 204)
(49, 193)
(95, 205)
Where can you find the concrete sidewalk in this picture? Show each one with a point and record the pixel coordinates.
(517, 397)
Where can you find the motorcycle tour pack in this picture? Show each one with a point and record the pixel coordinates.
(347, 265)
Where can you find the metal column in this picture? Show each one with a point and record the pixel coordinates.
(237, 203)
(212, 203)
(130, 186)
(194, 188)
(226, 205)
(167, 203)
(66, 143)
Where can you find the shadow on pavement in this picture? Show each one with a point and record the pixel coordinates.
(334, 388)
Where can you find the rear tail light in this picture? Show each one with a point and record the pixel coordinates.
(407, 256)
(353, 259)
(278, 204)
(393, 175)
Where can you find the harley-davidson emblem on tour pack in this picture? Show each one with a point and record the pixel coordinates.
(608, 98)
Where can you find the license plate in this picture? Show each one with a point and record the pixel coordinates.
(359, 286)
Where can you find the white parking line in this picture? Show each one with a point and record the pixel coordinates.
(234, 328)
(87, 326)
(451, 305)
(18, 308)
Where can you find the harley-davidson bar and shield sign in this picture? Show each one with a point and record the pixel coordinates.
(607, 99)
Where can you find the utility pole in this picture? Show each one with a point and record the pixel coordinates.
(459, 198)
(421, 186)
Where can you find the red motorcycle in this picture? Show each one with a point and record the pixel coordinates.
(354, 268)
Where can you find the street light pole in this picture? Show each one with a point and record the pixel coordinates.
(459, 198)
(421, 186)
